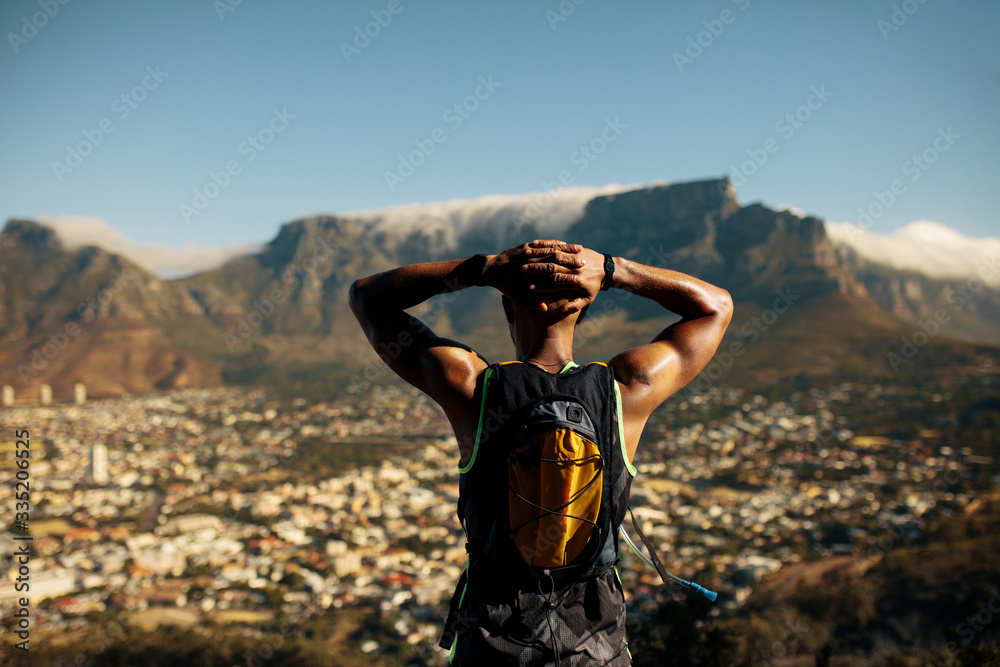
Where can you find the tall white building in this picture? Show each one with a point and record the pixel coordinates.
(99, 463)
(79, 393)
(45, 394)
(8, 396)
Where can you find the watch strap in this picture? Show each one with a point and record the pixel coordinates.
(609, 272)
(479, 263)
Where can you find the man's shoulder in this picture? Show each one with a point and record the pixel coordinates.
(451, 342)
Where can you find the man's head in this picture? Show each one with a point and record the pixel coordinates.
(529, 324)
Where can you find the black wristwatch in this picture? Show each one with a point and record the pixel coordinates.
(475, 269)
(609, 271)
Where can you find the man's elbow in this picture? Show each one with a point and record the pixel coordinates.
(356, 296)
(722, 305)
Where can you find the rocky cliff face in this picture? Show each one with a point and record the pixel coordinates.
(763, 248)
(683, 219)
(970, 306)
(700, 228)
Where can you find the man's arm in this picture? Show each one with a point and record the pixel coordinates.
(650, 373)
(442, 368)
(445, 369)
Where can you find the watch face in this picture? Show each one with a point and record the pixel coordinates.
(609, 270)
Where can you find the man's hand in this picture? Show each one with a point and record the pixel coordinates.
(552, 284)
(585, 276)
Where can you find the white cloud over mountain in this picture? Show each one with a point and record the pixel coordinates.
(925, 246)
(551, 212)
(164, 261)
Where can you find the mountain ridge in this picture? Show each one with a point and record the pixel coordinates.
(283, 308)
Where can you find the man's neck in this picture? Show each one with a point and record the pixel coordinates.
(549, 346)
(551, 354)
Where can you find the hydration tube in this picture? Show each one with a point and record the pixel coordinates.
(656, 565)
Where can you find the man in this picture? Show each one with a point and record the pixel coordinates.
(535, 591)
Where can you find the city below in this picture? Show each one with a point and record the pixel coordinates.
(234, 505)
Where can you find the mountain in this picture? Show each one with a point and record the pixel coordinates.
(808, 305)
(93, 317)
(933, 269)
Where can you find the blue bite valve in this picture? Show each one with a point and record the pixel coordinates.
(701, 590)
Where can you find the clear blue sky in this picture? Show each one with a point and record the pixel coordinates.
(353, 119)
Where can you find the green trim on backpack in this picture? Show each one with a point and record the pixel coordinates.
(621, 429)
(619, 578)
(454, 641)
(479, 426)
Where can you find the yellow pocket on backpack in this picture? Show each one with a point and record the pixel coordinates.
(555, 495)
